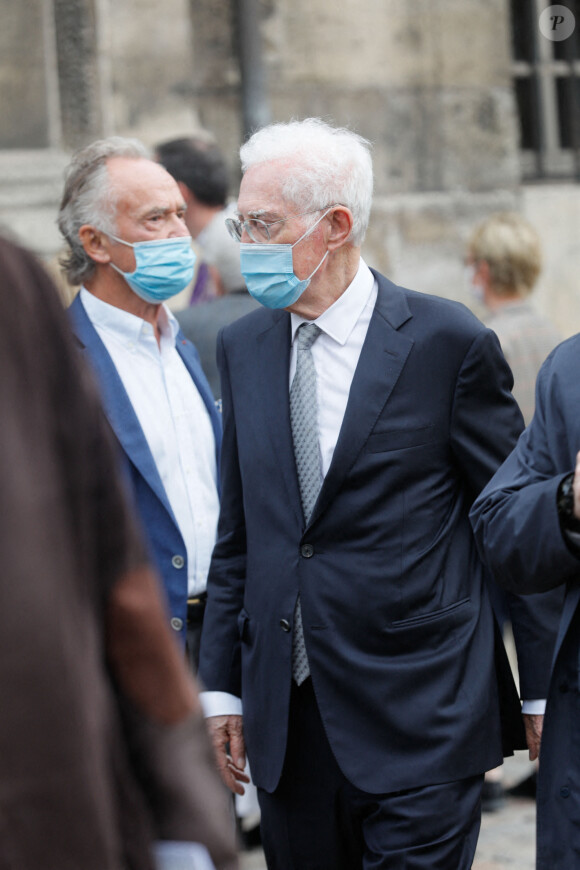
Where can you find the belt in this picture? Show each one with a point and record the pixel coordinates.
(196, 607)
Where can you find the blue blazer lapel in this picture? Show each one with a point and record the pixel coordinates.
(380, 364)
(117, 405)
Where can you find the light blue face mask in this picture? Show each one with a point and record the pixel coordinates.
(163, 267)
(268, 271)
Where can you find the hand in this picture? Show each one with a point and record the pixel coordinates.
(576, 487)
(533, 726)
(227, 732)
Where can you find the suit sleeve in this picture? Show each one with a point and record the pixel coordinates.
(486, 420)
(515, 519)
(220, 658)
(487, 423)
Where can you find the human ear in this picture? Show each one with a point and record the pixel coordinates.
(341, 221)
(95, 244)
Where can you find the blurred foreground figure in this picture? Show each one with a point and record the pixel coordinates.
(102, 747)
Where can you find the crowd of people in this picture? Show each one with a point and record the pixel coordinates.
(317, 540)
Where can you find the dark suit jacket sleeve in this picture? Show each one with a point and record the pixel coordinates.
(515, 519)
(486, 420)
(227, 573)
(486, 425)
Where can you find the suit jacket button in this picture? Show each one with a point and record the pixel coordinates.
(284, 625)
(307, 550)
(565, 792)
(176, 623)
(178, 561)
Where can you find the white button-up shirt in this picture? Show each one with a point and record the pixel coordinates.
(174, 419)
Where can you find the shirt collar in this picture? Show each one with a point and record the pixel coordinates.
(339, 320)
(127, 327)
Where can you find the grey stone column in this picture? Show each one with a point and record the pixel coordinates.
(23, 102)
(77, 30)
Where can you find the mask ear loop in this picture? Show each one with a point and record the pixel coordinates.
(318, 267)
(312, 228)
(307, 233)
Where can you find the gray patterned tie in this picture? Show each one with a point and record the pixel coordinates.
(304, 422)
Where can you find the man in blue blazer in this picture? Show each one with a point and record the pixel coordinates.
(348, 618)
(123, 218)
(527, 523)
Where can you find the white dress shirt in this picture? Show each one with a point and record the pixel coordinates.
(335, 354)
(174, 419)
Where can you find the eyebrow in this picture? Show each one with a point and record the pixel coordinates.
(161, 210)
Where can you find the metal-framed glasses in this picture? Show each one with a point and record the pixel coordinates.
(259, 230)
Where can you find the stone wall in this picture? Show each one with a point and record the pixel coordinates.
(427, 81)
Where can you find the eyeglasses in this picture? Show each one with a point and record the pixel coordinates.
(258, 230)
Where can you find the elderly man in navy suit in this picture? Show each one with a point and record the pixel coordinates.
(349, 641)
(527, 522)
(122, 216)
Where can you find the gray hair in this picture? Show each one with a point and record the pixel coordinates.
(89, 199)
(329, 165)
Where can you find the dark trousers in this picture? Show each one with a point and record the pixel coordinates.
(195, 612)
(317, 820)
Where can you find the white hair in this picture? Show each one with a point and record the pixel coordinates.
(89, 199)
(329, 165)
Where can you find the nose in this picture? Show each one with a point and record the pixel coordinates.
(246, 237)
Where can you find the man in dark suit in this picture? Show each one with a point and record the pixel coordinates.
(123, 218)
(347, 611)
(527, 523)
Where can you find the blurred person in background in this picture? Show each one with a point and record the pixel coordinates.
(504, 261)
(104, 759)
(123, 218)
(200, 170)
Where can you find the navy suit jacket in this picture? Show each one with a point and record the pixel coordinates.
(517, 527)
(397, 620)
(165, 541)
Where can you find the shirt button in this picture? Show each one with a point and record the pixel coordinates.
(176, 623)
(307, 550)
(284, 625)
(178, 561)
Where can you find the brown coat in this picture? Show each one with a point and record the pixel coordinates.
(102, 742)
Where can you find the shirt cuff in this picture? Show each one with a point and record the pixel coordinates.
(534, 708)
(170, 854)
(220, 704)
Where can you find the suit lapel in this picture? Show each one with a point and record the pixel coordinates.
(380, 364)
(117, 405)
(273, 417)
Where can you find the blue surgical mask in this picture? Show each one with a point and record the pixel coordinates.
(163, 267)
(268, 271)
